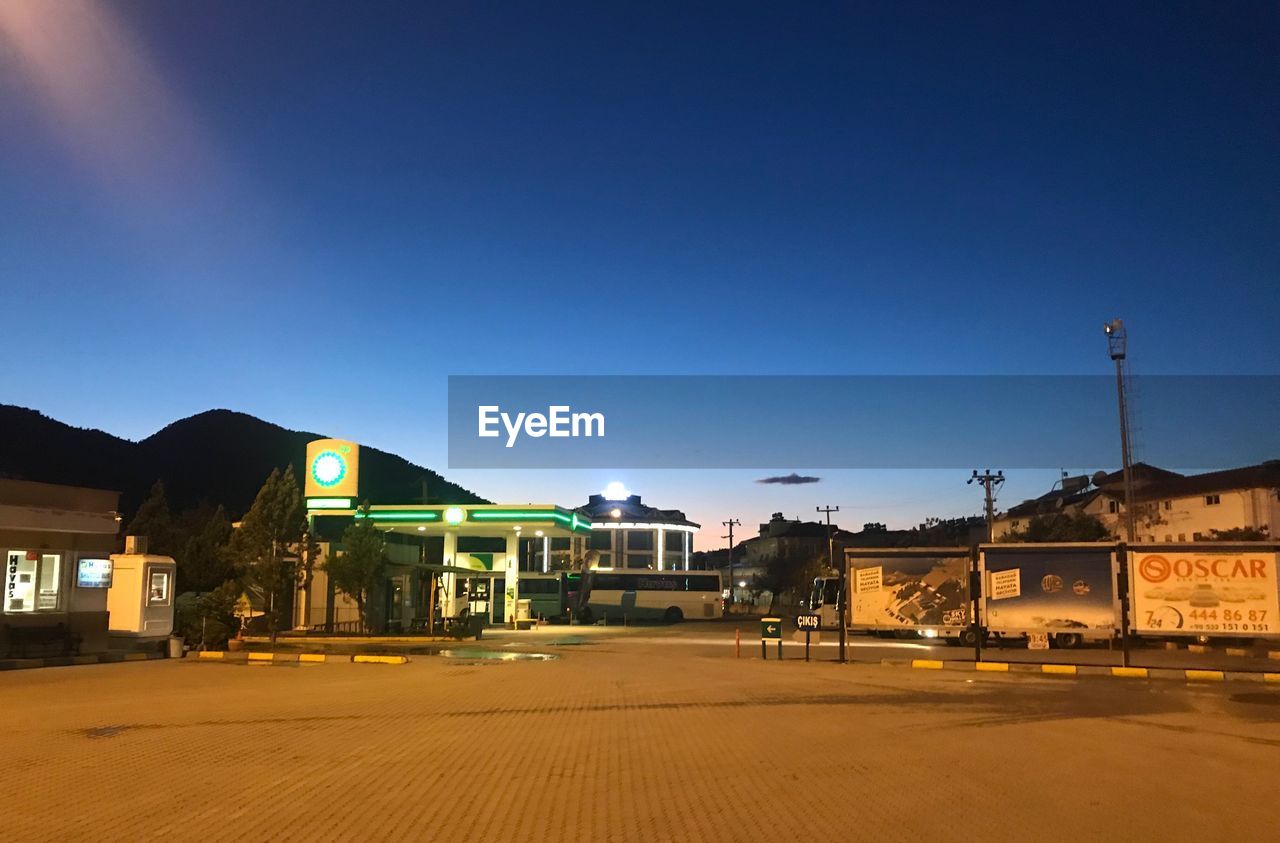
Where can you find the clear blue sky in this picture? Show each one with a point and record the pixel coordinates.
(315, 212)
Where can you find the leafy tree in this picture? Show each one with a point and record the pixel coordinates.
(362, 566)
(263, 548)
(203, 561)
(208, 620)
(1060, 527)
(792, 568)
(154, 520)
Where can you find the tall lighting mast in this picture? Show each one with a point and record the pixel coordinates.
(1117, 345)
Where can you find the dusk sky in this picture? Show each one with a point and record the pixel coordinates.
(316, 212)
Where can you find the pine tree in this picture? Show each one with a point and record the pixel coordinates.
(362, 566)
(154, 521)
(263, 548)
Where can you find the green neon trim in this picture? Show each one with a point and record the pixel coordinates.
(571, 520)
(328, 503)
(400, 516)
(518, 515)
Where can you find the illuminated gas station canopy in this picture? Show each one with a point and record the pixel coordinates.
(474, 519)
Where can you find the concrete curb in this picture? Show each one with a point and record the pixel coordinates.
(70, 661)
(296, 658)
(1180, 675)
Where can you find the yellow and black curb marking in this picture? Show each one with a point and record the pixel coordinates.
(68, 661)
(294, 658)
(1176, 674)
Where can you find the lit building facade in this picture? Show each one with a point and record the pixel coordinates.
(625, 533)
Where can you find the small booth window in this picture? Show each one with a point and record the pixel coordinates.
(32, 581)
(158, 588)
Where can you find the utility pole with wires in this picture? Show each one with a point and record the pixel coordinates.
(990, 482)
(831, 563)
(731, 523)
(1117, 346)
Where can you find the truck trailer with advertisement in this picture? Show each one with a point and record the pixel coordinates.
(1064, 591)
(902, 592)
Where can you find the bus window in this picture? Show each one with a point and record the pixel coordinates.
(704, 582)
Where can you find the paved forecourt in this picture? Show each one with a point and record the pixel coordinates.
(625, 740)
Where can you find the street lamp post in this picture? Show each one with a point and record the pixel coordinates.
(1117, 345)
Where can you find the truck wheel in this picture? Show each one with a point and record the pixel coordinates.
(1068, 640)
(967, 638)
(673, 615)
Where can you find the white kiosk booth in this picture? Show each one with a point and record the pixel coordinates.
(140, 600)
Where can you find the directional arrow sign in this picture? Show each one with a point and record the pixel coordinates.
(771, 629)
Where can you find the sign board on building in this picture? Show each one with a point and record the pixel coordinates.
(93, 573)
(1228, 592)
(909, 589)
(333, 469)
(771, 629)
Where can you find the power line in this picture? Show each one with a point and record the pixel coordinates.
(990, 482)
(731, 523)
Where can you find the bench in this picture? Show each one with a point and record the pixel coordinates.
(24, 639)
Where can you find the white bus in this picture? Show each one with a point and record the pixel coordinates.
(650, 595)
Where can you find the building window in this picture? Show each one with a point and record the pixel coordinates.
(640, 540)
(158, 588)
(32, 581)
(560, 542)
(673, 541)
(1113, 507)
(1182, 537)
(600, 540)
(1168, 537)
(1212, 500)
(1168, 505)
(1195, 537)
(639, 560)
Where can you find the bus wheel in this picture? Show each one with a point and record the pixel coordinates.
(673, 615)
(1068, 640)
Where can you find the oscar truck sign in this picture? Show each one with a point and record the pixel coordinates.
(1205, 592)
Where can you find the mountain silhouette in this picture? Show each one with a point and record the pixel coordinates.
(218, 457)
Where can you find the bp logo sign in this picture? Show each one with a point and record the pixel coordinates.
(333, 469)
(328, 469)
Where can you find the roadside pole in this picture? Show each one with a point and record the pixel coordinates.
(1122, 588)
(975, 601)
(844, 585)
(770, 630)
(808, 623)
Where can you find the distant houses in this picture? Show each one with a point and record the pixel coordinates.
(1169, 507)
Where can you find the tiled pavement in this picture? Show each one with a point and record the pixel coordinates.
(644, 742)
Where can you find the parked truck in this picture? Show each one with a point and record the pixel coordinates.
(901, 592)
